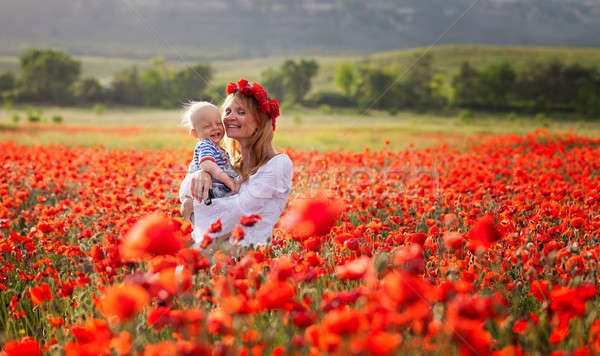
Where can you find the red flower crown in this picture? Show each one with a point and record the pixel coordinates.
(269, 107)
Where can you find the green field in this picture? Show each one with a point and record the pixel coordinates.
(448, 59)
(303, 129)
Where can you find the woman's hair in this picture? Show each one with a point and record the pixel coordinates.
(190, 108)
(261, 141)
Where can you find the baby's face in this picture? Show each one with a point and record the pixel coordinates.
(207, 123)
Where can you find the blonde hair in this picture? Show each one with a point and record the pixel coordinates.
(261, 141)
(190, 108)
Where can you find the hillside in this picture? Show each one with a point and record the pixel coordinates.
(219, 29)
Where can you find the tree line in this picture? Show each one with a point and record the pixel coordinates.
(539, 86)
(51, 76)
(54, 77)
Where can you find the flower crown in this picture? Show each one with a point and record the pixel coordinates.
(269, 107)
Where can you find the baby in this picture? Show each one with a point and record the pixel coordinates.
(204, 121)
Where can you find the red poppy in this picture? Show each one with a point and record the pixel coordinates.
(302, 319)
(484, 233)
(122, 343)
(274, 294)
(153, 235)
(249, 220)
(40, 294)
(283, 267)
(206, 240)
(259, 93)
(354, 270)
(520, 326)
(218, 321)
(215, 227)
(231, 88)
(559, 334)
(237, 235)
(312, 217)
(383, 343)
(123, 301)
(453, 240)
(55, 321)
(417, 238)
(25, 346)
(342, 321)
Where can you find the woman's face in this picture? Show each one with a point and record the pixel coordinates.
(238, 122)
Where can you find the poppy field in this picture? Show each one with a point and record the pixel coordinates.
(490, 249)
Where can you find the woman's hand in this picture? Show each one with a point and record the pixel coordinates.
(236, 187)
(187, 208)
(201, 183)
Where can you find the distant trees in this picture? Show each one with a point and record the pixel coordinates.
(550, 86)
(292, 80)
(51, 76)
(54, 77)
(48, 75)
(157, 86)
(126, 87)
(191, 82)
(587, 101)
(376, 89)
(554, 85)
(345, 78)
(8, 81)
(273, 80)
(422, 85)
(89, 90)
(546, 86)
(492, 87)
(154, 83)
(466, 86)
(298, 77)
(391, 89)
(496, 84)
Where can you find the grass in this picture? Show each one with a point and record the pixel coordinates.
(304, 129)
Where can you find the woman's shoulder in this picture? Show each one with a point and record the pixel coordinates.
(273, 179)
(282, 157)
(279, 165)
(279, 162)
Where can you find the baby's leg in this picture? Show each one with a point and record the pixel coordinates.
(185, 189)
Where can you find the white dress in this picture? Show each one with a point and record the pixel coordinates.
(264, 193)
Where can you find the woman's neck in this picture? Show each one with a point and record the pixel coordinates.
(248, 158)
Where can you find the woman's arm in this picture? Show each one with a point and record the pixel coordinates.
(195, 185)
(200, 184)
(217, 173)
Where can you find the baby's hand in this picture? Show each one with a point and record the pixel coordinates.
(187, 208)
(235, 188)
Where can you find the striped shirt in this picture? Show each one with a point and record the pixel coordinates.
(206, 149)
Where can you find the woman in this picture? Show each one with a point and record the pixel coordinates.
(266, 176)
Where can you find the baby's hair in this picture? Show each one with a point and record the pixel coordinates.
(189, 109)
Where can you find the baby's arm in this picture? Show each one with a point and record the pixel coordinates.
(217, 173)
